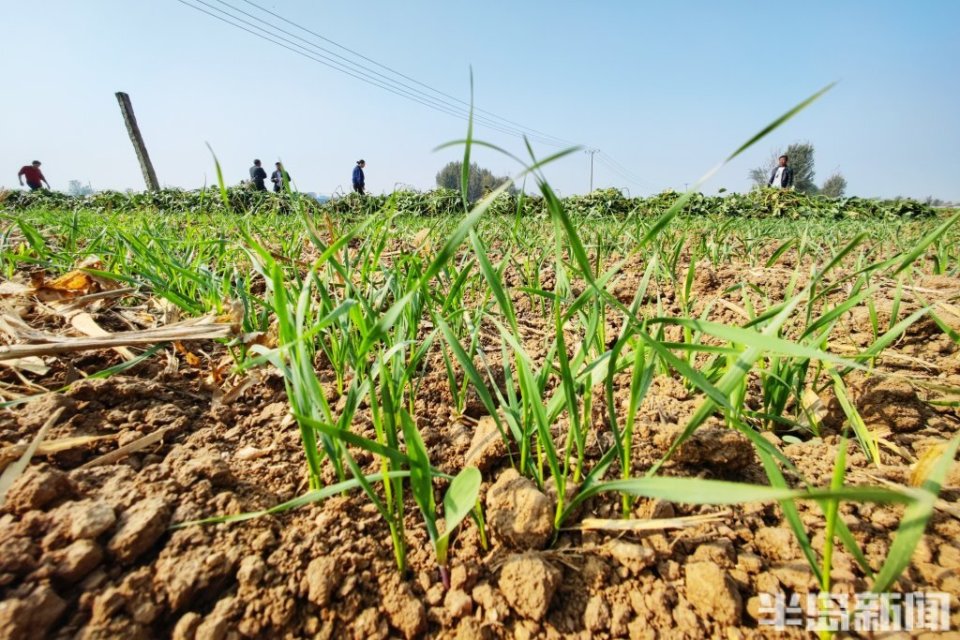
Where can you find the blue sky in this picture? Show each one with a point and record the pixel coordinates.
(665, 90)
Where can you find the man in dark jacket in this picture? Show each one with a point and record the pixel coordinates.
(358, 183)
(782, 176)
(280, 179)
(33, 175)
(258, 176)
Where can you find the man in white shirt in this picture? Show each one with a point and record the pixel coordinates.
(782, 175)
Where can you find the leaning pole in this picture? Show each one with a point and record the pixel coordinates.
(149, 175)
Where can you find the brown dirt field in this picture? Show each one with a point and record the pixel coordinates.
(88, 553)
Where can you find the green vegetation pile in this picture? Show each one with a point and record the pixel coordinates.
(447, 202)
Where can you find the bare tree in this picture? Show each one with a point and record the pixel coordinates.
(77, 188)
(800, 156)
(480, 180)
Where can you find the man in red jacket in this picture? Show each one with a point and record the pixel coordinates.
(33, 175)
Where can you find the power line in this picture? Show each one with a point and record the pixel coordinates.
(362, 73)
(602, 159)
(366, 71)
(441, 102)
(300, 50)
(404, 76)
(621, 170)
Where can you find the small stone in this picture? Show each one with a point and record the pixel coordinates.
(216, 625)
(370, 625)
(213, 627)
(768, 583)
(251, 571)
(36, 488)
(669, 570)
(203, 465)
(185, 575)
(19, 556)
(107, 604)
(684, 617)
(640, 629)
(949, 582)
(494, 605)
(635, 557)
(777, 543)
(597, 614)
(713, 593)
(322, 580)
(750, 563)
(458, 577)
(186, 627)
(94, 580)
(795, 577)
(404, 610)
(884, 519)
(473, 629)
(144, 612)
(139, 528)
(32, 616)
(457, 603)
(518, 513)
(949, 556)
(434, 595)
(89, 518)
(720, 552)
(656, 509)
(486, 447)
(251, 453)
(619, 619)
(528, 584)
(76, 561)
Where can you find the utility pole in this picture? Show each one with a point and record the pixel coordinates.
(591, 152)
(126, 108)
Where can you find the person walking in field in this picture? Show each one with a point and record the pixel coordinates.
(258, 176)
(280, 179)
(782, 176)
(358, 182)
(33, 175)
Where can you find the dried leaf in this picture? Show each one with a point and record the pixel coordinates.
(925, 463)
(127, 449)
(251, 453)
(203, 328)
(192, 359)
(238, 390)
(31, 364)
(813, 409)
(49, 448)
(75, 281)
(658, 524)
(421, 241)
(85, 324)
(11, 288)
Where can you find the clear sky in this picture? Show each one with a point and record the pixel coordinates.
(663, 89)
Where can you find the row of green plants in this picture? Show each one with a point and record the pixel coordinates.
(206, 200)
(447, 202)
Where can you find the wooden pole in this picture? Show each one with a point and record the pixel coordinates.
(149, 175)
